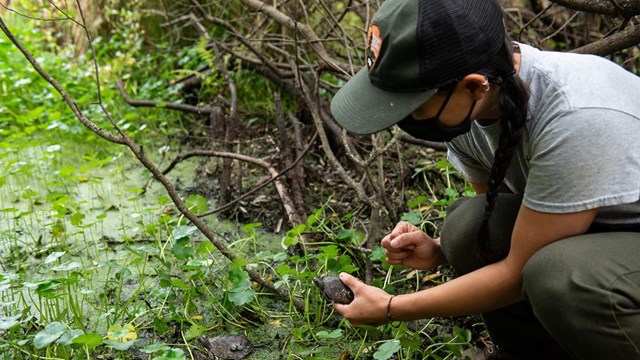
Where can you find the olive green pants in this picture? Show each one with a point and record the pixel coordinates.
(582, 293)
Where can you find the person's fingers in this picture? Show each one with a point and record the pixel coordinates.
(386, 241)
(396, 260)
(398, 255)
(340, 308)
(400, 242)
(354, 284)
(407, 241)
(350, 281)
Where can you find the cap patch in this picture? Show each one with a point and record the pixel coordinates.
(374, 44)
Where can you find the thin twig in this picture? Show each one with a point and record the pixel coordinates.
(31, 17)
(200, 110)
(272, 179)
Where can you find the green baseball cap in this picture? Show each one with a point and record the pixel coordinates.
(415, 47)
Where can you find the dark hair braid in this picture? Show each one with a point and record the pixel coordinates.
(513, 102)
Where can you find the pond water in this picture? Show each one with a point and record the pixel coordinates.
(85, 233)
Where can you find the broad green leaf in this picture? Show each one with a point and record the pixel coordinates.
(196, 203)
(160, 326)
(296, 231)
(283, 256)
(387, 350)
(377, 253)
(53, 257)
(238, 263)
(345, 235)
(194, 331)
(9, 322)
(76, 219)
(47, 289)
(122, 333)
(413, 216)
(462, 334)
(49, 334)
(205, 247)
(335, 334)
(241, 297)
(329, 252)
(66, 267)
(239, 278)
(241, 291)
(285, 269)
(417, 201)
(181, 249)
(183, 231)
(313, 218)
(152, 348)
(200, 263)
(120, 345)
(177, 283)
(173, 354)
(452, 193)
(89, 340)
(68, 336)
(251, 227)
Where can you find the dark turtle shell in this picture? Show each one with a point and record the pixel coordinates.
(232, 347)
(334, 289)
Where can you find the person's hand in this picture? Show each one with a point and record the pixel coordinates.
(409, 246)
(369, 306)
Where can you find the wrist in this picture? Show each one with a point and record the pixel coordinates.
(440, 259)
(389, 312)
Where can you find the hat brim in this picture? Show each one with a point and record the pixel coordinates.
(362, 108)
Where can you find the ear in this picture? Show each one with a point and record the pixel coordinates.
(477, 85)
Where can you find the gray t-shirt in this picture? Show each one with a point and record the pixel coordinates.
(581, 146)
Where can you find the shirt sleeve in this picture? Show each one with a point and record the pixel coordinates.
(470, 168)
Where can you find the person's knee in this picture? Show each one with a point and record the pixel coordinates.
(460, 229)
(575, 295)
(556, 279)
(545, 279)
(458, 235)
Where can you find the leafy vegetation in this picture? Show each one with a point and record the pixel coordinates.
(96, 261)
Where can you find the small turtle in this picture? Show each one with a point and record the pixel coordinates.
(334, 289)
(232, 347)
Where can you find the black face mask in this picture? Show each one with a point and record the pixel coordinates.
(431, 129)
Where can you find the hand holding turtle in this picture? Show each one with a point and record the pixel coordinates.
(370, 304)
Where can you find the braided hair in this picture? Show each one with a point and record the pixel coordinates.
(513, 103)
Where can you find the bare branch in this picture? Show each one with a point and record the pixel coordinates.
(305, 30)
(612, 44)
(200, 110)
(604, 7)
(191, 154)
